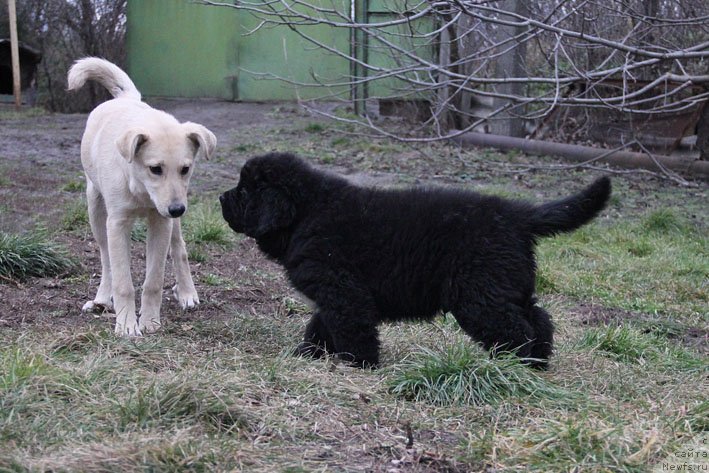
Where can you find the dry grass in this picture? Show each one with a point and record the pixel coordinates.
(226, 396)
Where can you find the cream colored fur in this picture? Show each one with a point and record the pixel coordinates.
(138, 162)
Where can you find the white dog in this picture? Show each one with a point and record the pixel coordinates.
(138, 162)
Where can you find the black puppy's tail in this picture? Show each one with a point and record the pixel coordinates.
(572, 212)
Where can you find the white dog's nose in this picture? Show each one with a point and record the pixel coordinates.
(176, 210)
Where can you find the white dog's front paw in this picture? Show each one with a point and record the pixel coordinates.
(97, 307)
(187, 299)
(148, 324)
(128, 329)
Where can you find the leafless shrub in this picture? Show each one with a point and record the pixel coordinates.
(63, 31)
(572, 69)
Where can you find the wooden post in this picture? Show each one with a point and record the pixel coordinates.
(510, 64)
(15, 52)
(703, 132)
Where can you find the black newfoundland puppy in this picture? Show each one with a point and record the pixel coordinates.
(366, 256)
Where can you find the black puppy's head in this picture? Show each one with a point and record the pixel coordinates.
(263, 202)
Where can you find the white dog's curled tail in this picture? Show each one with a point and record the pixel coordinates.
(105, 73)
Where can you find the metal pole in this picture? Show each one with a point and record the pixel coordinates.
(15, 53)
(360, 50)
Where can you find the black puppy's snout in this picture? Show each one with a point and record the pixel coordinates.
(176, 210)
(221, 199)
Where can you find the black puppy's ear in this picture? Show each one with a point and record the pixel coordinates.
(247, 171)
(276, 212)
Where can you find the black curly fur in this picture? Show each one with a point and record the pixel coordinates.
(365, 256)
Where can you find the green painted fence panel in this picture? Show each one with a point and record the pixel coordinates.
(182, 49)
(277, 51)
(396, 46)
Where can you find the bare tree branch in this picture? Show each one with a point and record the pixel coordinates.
(585, 64)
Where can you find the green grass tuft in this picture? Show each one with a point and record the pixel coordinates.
(544, 283)
(630, 345)
(26, 256)
(340, 141)
(653, 264)
(80, 343)
(589, 443)
(462, 374)
(76, 217)
(314, 127)
(659, 327)
(16, 367)
(74, 186)
(139, 232)
(214, 280)
(640, 248)
(664, 221)
(196, 255)
(245, 147)
(175, 403)
(203, 223)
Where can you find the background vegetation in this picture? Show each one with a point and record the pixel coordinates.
(63, 31)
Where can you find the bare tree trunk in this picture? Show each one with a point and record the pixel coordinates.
(703, 134)
(652, 12)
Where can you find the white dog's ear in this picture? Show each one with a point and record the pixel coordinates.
(202, 138)
(129, 144)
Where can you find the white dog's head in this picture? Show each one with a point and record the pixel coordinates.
(161, 162)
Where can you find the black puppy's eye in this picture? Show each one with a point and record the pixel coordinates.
(184, 170)
(157, 170)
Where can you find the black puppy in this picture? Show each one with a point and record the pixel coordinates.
(365, 256)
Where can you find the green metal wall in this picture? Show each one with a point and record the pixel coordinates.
(181, 49)
(408, 36)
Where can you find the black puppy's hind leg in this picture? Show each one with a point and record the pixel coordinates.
(316, 340)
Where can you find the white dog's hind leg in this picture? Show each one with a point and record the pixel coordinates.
(97, 219)
(184, 291)
(119, 228)
(158, 240)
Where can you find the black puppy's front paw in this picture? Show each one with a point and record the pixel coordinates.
(539, 357)
(310, 350)
(534, 357)
(537, 363)
(357, 362)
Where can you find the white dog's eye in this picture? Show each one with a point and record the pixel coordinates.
(185, 170)
(157, 170)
